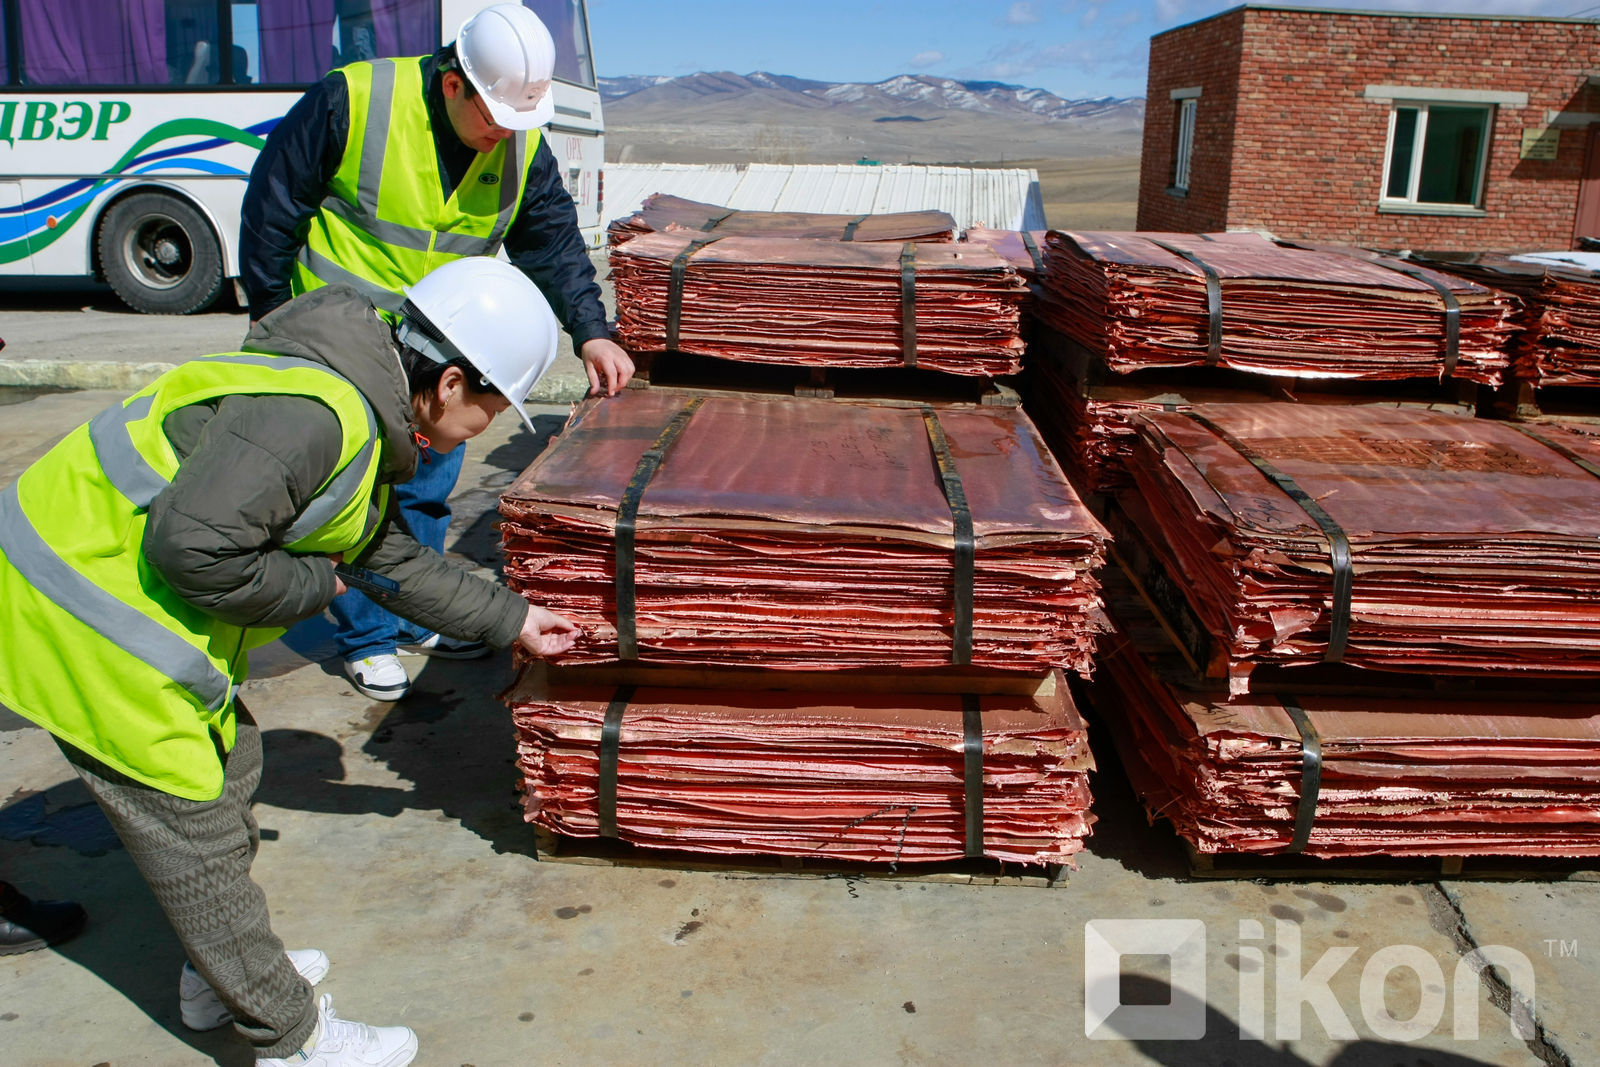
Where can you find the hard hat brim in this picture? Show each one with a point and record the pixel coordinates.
(509, 117)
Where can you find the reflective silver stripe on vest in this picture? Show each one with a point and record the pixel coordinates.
(123, 626)
(331, 273)
(134, 477)
(375, 141)
(363, 214)
(412, 238)
(124, 467)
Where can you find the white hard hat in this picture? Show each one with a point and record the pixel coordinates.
(489, 313)
(508, 56)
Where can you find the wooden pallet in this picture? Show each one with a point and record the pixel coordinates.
(1293, 867)
(902, 680)
(889, 386)
(605, 852)
(1521, 401)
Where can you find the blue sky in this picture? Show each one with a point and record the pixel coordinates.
(1074, 48)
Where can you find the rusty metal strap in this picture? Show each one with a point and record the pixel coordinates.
(908, 303)
(610, 757)
(627, 517)
(1452, 310)
(680, 267)
(1305, 812)
(972, 770)
(1339, 553)
(850, 227)
(1563, 450)
(965, 548)
(1033, 250)
(1213, 300)
(717, 220)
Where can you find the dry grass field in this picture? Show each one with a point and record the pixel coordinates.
(1095, 193)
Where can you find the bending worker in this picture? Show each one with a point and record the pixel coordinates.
(381, 171)
(157, 544)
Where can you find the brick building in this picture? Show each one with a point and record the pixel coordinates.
(1389, 130)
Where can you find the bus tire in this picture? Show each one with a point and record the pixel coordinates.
(160, 255)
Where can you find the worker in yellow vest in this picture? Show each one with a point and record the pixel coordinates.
(144, 555)
(389, 167)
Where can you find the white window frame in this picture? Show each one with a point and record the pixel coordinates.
(1188, 101)
(1418, 139)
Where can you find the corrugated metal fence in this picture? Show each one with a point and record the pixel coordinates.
(1002, 199)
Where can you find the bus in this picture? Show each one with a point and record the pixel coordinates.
(128, 127)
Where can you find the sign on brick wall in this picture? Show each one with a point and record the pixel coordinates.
(1540, 142)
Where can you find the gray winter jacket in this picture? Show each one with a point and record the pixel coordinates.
(248, 465)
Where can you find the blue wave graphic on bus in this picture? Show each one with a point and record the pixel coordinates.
(40, 221)
(60, 193)
(13, 228)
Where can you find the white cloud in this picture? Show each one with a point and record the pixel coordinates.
(1022, 13)
(927, 59)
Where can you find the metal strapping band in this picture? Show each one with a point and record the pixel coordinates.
(1033, 250)
(1213, 300)
(1305, 812)
(627, 514)
(1565, 452)
(850, 227)
(610, 757)
(680, 267)
(1339, 554)
(965, 549)
(1452, 311)
(908, 303)
(972, 767)
(717, 220)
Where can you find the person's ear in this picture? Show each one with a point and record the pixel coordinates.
(452, 84)
(452, 383)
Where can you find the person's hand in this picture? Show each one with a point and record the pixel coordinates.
(608, 366)
(339, 588)
(544, 633)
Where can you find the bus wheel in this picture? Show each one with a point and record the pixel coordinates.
(160, 255)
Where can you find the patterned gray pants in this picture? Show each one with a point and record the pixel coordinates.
(196, 857)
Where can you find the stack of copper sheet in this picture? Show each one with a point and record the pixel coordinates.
(805, 535)
(1388, 538)
(1087, 416)
(857, 776)
(1353, 775)
(662, 213)
(1559, 319)
(1023, 249)
(943, 307)
(1238, 300)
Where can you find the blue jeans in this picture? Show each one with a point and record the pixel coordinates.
(364, 629)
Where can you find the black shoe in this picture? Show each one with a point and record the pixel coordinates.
(26, 925)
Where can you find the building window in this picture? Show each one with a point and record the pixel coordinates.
(1437, 154)
(1183, 151)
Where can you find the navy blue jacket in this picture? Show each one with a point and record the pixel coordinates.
(302, 154)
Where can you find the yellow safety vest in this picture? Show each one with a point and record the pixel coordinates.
(99, 649)
(385, 221)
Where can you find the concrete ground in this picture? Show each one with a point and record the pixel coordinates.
(393, 841)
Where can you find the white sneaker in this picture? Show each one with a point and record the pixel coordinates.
(437, 644)
(379, 677)
(203, 1010)
(337, 1042)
